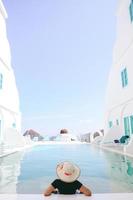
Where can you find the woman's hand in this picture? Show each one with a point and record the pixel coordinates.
(85, 191)
(49, 190)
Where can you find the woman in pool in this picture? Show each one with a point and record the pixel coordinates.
(67, 183)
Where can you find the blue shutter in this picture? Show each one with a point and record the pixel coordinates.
(131, 123)
(110, 124)
(122, 78)
(131, 11)
(126, 126)
(125, 77)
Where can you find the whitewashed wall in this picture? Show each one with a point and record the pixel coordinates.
(9, 97)
(119, 100)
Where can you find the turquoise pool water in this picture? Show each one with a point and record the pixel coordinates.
(33, 170)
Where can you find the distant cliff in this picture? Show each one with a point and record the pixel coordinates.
(33, 134)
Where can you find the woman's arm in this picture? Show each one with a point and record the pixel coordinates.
(49, 190)
(85, 190)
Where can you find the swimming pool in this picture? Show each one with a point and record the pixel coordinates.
(31, 171)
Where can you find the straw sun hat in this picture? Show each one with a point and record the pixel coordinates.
(68, 172)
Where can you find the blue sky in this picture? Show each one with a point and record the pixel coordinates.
(61, 56)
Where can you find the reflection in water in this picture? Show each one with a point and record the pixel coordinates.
(121, 169)
(9, 172)
(130, 168)
(102, 171)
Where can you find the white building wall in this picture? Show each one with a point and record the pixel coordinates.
(119, 100)
(66, 137)
(10, 116)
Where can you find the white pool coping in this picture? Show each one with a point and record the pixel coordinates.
(11, 151)
(115, 150)
(107, 196)
(108, 148)
(60, 142)
(14, 150)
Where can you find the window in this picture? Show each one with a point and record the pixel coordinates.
(110, 124)
(131, 10)
(14, 125)
(117, 122)
(1, 81)
(124, 78)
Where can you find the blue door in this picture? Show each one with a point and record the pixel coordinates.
(127, 125)
(131, 123)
